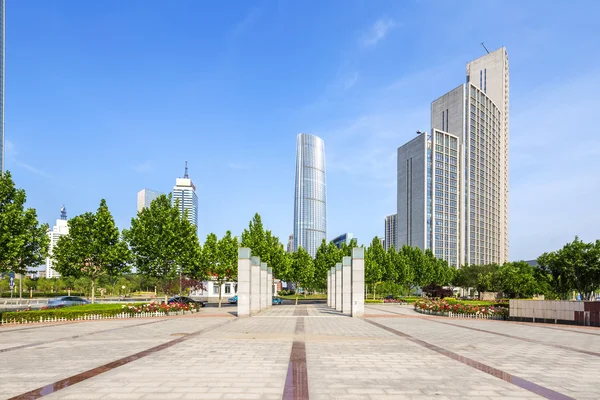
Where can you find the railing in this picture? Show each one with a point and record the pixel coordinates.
(89, 317)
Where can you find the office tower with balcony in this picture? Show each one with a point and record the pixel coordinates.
(310, 196)
(145, 198)
(184, 195)
(453, 181)
(391, 232)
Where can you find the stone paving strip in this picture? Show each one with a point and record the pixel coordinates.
(95, 332)
(567, 341)
(247, 359)
(35, 367)
(564, 371)
(515, 380)
(350, 359)
(296, 381)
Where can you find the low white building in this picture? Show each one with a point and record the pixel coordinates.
(210, 291)
(60, 229)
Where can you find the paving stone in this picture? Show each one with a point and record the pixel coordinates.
(346, 358)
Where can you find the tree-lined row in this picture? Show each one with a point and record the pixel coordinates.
(163, 246)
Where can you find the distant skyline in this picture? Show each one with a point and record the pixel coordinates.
(91, 108)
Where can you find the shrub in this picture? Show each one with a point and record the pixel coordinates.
(104, 310)
(442, 306)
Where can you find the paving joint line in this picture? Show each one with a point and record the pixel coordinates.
(505, 376)
(296, 380)
(82, 376)
(557, 346)
(24, 346)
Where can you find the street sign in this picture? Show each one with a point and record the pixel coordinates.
(12, 280)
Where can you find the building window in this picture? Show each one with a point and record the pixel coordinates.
(227, 288)
(215, 289)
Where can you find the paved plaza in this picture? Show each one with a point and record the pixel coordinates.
(299, 352)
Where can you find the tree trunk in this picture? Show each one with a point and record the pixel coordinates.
(220, 294)
(296, 288)
(93, 290)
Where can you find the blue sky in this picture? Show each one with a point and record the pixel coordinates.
(104, 98)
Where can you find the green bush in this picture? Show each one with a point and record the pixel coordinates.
(69, 313)
(378, 301)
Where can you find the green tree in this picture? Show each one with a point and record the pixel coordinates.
(255, 238)
(516, 279)
(265, 245)
(23, 242)
(376, 262)
(164, 243)
(220, 257)
(326, 257)
(575, 267)
(302, 270)
(92, 248)
(403, 271)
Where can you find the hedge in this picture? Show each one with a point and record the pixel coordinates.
(103, 310)
(65, 312)
(40, 294)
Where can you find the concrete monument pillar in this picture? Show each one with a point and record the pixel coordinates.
(254, 285)
(263, 286)
(269, 287)
(333, 285)
(358, 282)
(338, 286)
(328, 288)
(243, 288)
(347, 285)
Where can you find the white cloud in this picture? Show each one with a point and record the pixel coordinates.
(234, 165)
(9, 149)
(11, 154)
(377, 32)
(248, 20)
(143, 167)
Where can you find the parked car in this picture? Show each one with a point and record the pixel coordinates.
(186, 300)
(276, 301)
(66, 301)
(232, 300)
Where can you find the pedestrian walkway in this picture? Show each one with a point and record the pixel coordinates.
(299, 352)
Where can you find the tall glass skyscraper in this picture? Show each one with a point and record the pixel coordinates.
(2, 60)
(310, 197)
(185, 192)
(453, 182)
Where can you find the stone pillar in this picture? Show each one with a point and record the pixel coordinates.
(347, 285)
(263, 286)
(338, 286)
(269, 287)
(254, 285)
(328, 288)
(333, 286)
(358, 282)
(243, 288)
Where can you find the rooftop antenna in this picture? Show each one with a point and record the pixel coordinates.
(485, 48)
(186, 173)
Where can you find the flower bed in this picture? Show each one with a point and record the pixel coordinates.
(460, 309)
(96, 311)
